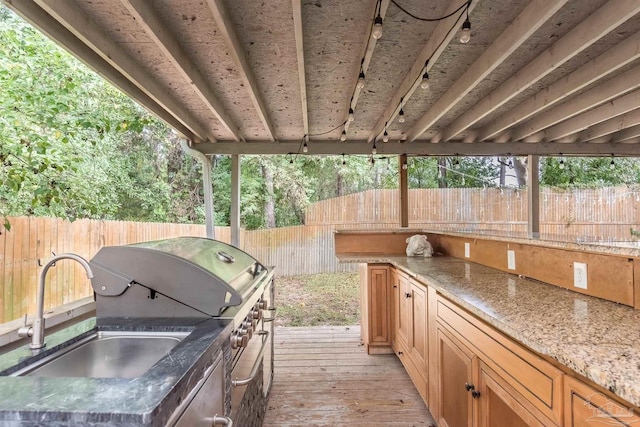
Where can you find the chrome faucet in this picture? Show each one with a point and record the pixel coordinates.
(36, 330)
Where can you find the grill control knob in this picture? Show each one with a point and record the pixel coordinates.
(239, 340)
(244, 331)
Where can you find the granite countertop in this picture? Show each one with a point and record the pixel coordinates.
(148, 400)
(595, 338)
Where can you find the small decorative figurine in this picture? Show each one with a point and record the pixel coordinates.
(418, 245)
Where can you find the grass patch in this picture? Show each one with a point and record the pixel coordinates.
(319, 299)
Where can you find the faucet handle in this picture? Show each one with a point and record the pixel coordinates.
(25, 331)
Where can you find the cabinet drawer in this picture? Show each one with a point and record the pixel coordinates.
(536, 380)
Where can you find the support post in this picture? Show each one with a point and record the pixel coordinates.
(404, 191)
(206, 183)
(235, 200)
(533, 196)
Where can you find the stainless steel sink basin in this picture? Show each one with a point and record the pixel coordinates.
(107, 355)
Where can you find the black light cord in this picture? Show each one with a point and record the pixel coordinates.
(466, 4)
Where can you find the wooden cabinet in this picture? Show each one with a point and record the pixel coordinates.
(376, 299)
(484, 379)
(586, 407)
(409, 326)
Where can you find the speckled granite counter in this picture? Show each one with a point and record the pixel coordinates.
(145, 401)
(595, 338)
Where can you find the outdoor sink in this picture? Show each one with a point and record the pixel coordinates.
(107, 355)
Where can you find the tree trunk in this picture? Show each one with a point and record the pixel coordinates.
(503, 170)
(442, 172)
(269, 203)
(339, 184)
(520, 167)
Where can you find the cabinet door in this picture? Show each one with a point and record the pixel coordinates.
(498, 404)
(404, 309)
(379, 297)
(418, 331)
(586, 407)
(455, 362)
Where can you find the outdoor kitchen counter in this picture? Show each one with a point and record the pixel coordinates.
(145, 401)
(595, 338)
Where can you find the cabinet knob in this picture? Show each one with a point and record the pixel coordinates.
(469, 387)
(407, 295)
(475, 394)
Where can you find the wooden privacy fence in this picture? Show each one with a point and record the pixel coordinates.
(606, 215)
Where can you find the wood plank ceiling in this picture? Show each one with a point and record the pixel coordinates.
(262, 77)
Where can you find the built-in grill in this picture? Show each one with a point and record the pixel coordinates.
(190, 277)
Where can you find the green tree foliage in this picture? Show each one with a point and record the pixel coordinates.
(588, 171)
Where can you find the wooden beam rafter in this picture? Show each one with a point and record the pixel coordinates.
(420, 148)
(626, 135)
(146, 17)
(594, 116)
(530, 19)
(606, 128)
(598, 95)
(575, 41)
(297, 28)
(223, 21)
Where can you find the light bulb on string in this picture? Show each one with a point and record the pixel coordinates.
(424, 83)
(385, 136)
(344, 162)
(360, 84)
(612, 165)
(404, 165)
(374, 150)
(377, 27)
(305, 147)
(351, 117)
(456, 163)
(401, 118)
(343, 136)
(561, 164)
(465, 34)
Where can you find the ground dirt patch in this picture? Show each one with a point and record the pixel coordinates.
(319, 299)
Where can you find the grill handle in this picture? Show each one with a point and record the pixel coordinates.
(236, 382)
(221, 421)
(272, 318)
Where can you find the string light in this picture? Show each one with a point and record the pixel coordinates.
(401, 112)
(305, 147)
(377, 27)
(385, 136)
(424, 83)
(360, 84)
(465, 34)
(612, 165)
(344, 162)
(374, 150)
(456, 162)
(343, 136)
(351, 117)
(404, 165)
(561, 165)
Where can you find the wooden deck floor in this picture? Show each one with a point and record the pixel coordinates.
(324, 377)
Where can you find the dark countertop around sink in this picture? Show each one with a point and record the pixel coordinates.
(598, 339)
(145, 401)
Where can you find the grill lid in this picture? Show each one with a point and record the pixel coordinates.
(204, 274)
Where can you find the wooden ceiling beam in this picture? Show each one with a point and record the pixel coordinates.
(606, 128)
(371, 45)
(437, 43)
(575, 41)
(147, 18)
(598, 95)
(223, 21)
(627, 134)
(523, 26)
(615, 108)
(75, 31)
(419, 148)
(610, 61)
(302, 80)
